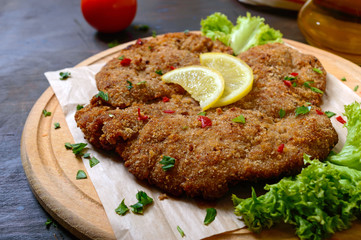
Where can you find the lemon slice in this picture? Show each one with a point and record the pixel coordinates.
(204, 84)
(238, 76)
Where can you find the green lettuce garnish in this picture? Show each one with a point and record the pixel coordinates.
(248, 32)
(324, 198)
(350, 154)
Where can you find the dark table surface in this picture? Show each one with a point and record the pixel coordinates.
(38, 36)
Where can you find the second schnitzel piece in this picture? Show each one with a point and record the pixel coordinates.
(145, 120)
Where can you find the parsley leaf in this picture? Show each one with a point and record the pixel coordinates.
(93, 161)
(122, 209)
(356, 88)
(102, 95)
(343, 79)
(64, 75)
(307, 84)
(113, 43)
(143, 200)
(56, 125)
(210, 216)
(81, 175)
(76, 147)
(180, 231)
(239, 119)
(121, 57)
(46, 113)
(154, 33)
(282, 113)
(86, 155)
(316, 90)
(330, 114)
(142, 82)
(159, 72)
(317, 70)
(78, 107)
(302, 110)
(130, 85)
(48, 223)
(168, 163)
(202, 114)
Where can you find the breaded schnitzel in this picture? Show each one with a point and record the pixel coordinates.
(146, 119)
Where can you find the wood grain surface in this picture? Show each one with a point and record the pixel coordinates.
(51, 169)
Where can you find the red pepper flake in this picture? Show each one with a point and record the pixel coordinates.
(141, 117)
(205, 121)
(169, 111)
(319, 112)
(341, 120)
(171, 67)
(294, 74)
(165, 99)
(287, 83)
(280, 148)
(139, 42)
(125, 62)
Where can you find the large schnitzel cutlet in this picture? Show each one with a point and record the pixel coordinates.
(145, 119)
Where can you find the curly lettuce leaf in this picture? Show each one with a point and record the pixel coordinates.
(350, 154)
(217, 27)
(322, 199)
(248, 32)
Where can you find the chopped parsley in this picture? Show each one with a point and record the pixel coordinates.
(102, 95)
(202, 114)
(239, 119)
(122, 209)
(294, 84)
(168, 163)
(314, 89)
(356, 88)
(121, 57)
(180, 231)
(86, 155)
(81, 175)
(159, 72)
(142, 82)
(64, 75)
(282, 113)
(290, 78)
(317, 70)
(113, 43)
(343, 79)
(210, 216)
(76, 147)
(48, 222)
(93, 161)
(56, 125)
(154, 33)
(130, 85)
(46, 113)
(78, 107)
(302, 110)
(330, 114)
(143, 200)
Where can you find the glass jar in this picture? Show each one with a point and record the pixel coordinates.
(333, 25)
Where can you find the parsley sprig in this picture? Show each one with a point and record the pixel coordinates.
(168, 163)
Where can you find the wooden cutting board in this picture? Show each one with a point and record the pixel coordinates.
(74, 204)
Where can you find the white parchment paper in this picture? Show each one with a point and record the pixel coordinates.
(114, 183)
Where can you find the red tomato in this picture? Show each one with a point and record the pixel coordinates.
(109, 15)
